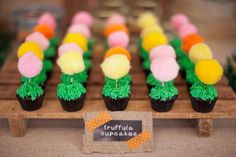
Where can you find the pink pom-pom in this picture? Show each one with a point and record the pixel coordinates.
(162, 51)
(187, 29)
(118, 38)
(81, 29)
(29, 65)
(38, 38)
(48, 19)
(178, 20)
(115, 19)
(69, 47)
(164, 69)
(83, 17)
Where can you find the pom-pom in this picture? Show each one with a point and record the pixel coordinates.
(178, 20)
(162, 51)
(29, 65)
(45, 30)
(200, 51)
(116, 66)
(115, 19)
(79, 39)
(81, 29)
(83, 17)
(152, 40)
(208, 71)
(38, 38)
(164, 69)
(151, 30)
(69, 47)
(115, 28)
(186, 30)
(117, 50)
(30, 47)
(190, 40)
(118, 39)
(146, 19)
(71, 63)
(48, 19)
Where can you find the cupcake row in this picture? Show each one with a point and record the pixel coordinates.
(36, 55)
(116, 64)
(159, 63)
(74, 60)
(197, 64)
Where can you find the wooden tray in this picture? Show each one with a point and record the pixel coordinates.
(51, 109)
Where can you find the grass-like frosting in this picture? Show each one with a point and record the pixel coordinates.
(143, 53)
(88, 53)
(70, 91)
(79, 78)
(185, 63)
(146, 64)
(163, 92)
(124, 80)
(91, 44)
(191, 77)
(30, 90)
(50, 52)
(116, 91)
(152, 81)
(88, 64)
(203, 91)
(54, 41)
(176, 43)
(47, 65)
(40, 79)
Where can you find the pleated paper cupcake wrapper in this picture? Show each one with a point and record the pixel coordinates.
(116, 104)
(163, 106)
(73, 105)
(30, 105)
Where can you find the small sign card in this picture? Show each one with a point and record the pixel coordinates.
(117, 132)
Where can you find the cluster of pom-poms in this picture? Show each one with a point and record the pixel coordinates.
(207, 69)
(116, 63)
(75, 44)
(31, 51)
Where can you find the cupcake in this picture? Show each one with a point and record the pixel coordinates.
(70, 91)
(203, 94)
(30, 94)
(164, 94)
(116, 89)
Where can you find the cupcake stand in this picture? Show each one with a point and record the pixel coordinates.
(51, 109)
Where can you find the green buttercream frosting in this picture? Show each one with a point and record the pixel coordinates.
(40, 79)
(91, 44)
(88, 64)
(163, 92)
(191, 77)
(203, 91)
(47, 65)
(146, 64)
(185, 63)
(88, 54)
(176, 43)
(152, 81)
(54, 41)
(50, 52)
(30, 90)
(124, 80)
(143, 53)
(79, 78)
(116, 92)
(179, 52)
(70, 91)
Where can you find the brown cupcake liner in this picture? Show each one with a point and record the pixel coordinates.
(116, 104)
(163, 106)
(30, 105)
(203, 106)
(73, 105)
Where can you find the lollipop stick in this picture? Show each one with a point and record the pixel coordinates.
(71, 79)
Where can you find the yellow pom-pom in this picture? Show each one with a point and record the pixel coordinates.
(208, 71)
(116, 66)
(151, 30)
(152, 40)
(30, 47)
(71, 63)
(77, 38)
(200, 51)
(146, 20)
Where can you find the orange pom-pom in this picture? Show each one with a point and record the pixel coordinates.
(45, 30)
(190, 40)
(114, 28)
(117, 50)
